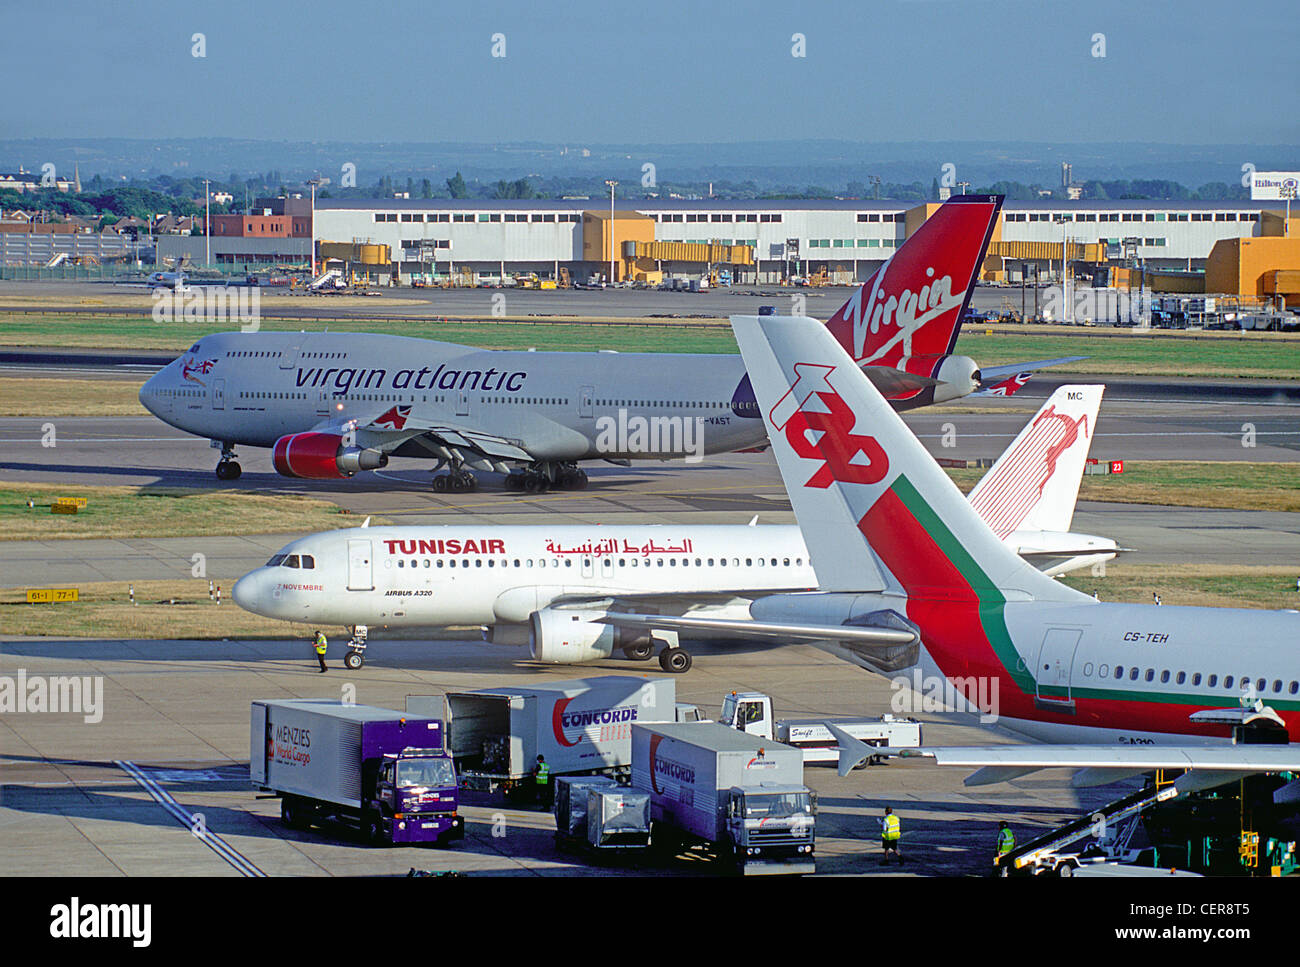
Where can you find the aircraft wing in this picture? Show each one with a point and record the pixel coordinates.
(443, 437)
(992, 374)
(748, 628)
(1098, 765)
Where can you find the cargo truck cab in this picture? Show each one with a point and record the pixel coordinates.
(415, 789)
(771, 824)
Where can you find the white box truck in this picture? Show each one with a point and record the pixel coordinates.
(582, 726)
(751, 712)
(367, 768)
(741, 798)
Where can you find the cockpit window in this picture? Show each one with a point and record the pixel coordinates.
(275, 561)
(194, 348)
(291, 561)
(308, 562)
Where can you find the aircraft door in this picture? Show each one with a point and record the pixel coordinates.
(218, 394)
(360, 570)
(607, 567)
(289, 358)
(586, 401)
(587, 568)
(323, 404)
(462, 404)
(1053, 668)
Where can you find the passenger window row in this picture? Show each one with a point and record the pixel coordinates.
(1244, 683)
(622, 562)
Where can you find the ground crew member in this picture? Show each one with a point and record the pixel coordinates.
(890, 833)
(542, 781)
(1006, 840)
(320, 645)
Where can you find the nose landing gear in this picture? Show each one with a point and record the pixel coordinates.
(356, 656)
(227, 467)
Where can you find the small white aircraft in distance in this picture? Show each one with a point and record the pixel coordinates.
(1112, 689)
(579, 593)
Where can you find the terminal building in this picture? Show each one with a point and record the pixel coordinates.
(774, 241)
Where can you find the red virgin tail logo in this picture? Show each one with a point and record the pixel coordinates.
(912, 306)
(812, 408)
(395, 418)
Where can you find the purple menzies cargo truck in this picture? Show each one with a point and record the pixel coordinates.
(372, 769)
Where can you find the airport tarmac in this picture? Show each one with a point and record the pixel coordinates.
(178, 711)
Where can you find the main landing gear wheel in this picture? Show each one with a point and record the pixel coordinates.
(571, 478)
(674, 660)
(641, 651)
(229, 470)
(457, 483)
(353, 660)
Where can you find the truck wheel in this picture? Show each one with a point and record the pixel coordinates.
(292, 814)
(374, 830)
(353, 660)
(1065, 869)
(674, 660)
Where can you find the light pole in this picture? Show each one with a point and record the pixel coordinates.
(207, 224)
(612, 186)
(312, 225)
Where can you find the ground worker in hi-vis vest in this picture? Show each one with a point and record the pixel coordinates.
(1006, 840)
(321, 644)
(891, 831)
(542, 780)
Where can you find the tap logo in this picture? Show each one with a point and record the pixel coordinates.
(818, 424)
(395, 418)
(192, 366)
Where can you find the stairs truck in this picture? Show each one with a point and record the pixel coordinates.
(582, 726)
(733, 795)
(751, 712)
(371, 769)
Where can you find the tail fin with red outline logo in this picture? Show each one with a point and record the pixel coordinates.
(908, 314)
(860, 481)
(1034, 485)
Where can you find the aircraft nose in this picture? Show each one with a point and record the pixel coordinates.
(149, 392)
(247, 591)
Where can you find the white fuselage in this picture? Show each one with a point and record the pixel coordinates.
(446, 576)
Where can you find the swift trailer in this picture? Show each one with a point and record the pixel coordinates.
(751, 713)
(738, 797)
(371, 769)
(582, 727)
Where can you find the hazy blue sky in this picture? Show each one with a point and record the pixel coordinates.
(1197, 71)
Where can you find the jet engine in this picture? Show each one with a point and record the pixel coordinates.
(322, 456)
(567, 637)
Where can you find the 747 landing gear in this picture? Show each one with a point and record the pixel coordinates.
(227, 467)
(356, 656)
(458, 481)
(539, 478)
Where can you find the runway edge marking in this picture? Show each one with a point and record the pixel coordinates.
(214, 842)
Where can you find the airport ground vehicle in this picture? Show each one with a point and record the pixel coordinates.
(751, 712)
(596, 813)
(737, 796)
(582, 726)
(368, 768)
